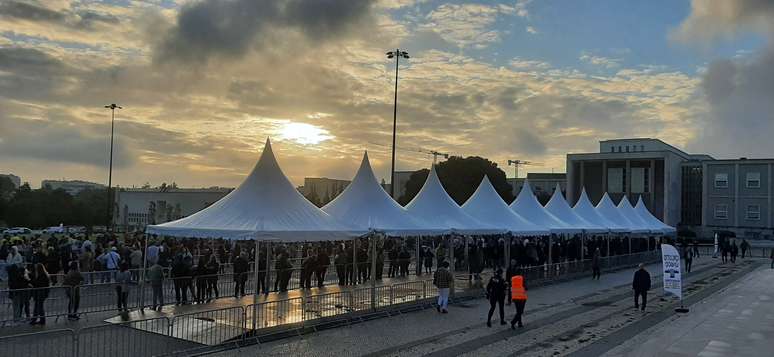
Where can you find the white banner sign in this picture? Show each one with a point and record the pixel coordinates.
(673, 282)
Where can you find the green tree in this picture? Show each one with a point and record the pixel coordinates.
(460, 177)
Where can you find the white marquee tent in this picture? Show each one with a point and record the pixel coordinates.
(487, 206)
(433, 206)
(645, 214)
(606, 208)
(527, 206)
(559, 208)
(586, 210)
(264, 206)
(366, 205)
(627, 210)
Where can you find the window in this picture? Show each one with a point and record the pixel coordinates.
(627, 148)
(753, 212)
(642, 147)
(612, 149)
(753, 180)
(721, 180)
(615, 179)
(619, 149)
(638, 179)
(721, 211)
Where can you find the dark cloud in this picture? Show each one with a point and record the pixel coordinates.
(231, 28)
(84, 20)
(31, 74)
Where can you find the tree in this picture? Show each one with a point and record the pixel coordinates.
(460, 177)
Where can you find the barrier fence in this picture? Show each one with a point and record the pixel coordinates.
(200, 331)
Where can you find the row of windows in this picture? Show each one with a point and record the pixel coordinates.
(753, 212)
(753, 180)
(628, 147)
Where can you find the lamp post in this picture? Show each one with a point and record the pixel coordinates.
(397, 54)
(112, 108)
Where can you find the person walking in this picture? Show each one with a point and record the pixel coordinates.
(688, 260)
(595, 262)
(696, 248)
(495, 292)
(641, 285)
(519, 298)
(442, 279)
(734, 252)
(123, 278)
(72, 283)
(744, 247)
(771, 256)
(156, 279)
(40, 283)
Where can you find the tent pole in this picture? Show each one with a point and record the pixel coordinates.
(256, 258)
(467, 257)
(451, 263)
(630, 244)
(355, 275)
(507, 252)
(141, 296)
(550, 258)
(418, 266)
(607, 238)
(267, 278)
(373, 270)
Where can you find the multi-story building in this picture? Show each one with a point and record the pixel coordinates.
(539, 182)
(321, 190)
(649, 168)
(737, 196)
(137, 207)
(15, 180)
(72, 187)
(401, 178)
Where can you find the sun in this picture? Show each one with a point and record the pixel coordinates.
(305, 134)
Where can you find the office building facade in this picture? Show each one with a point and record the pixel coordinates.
(135, 208)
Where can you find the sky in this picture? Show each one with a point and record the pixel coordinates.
(204, 83)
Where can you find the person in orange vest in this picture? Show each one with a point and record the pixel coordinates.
(519, 298)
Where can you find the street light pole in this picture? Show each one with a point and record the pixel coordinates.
(109, 225)
(397, 54)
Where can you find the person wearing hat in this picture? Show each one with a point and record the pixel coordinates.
(495, 292)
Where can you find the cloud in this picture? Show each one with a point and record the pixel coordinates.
(606, 62)
(722, 19)
(466, 24)
(214, 28)
(83, 20)
(532, 30)
(521, 8)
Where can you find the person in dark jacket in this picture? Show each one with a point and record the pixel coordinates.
(41, 283)
(340, 259)
(404, 259)
(181, 275)
(200, 272)
(688, 259)
(307, 270)
(213, 268)
(495, 292)
(18, 285)
(240, 275)
(595, 262)
(322, 262)
(744, 247)
(734, 252)
(641, 285)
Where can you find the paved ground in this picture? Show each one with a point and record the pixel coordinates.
(737, 321)
(570, 314)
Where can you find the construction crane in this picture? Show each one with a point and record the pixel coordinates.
(517, 163)
(435, 154)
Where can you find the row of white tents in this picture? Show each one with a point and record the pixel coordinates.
(266, 206)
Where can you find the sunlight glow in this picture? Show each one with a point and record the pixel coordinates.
(305, 134)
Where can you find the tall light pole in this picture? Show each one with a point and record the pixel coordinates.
(109, 225)
(397, 54)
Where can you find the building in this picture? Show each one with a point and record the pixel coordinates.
(540, 182)
(15, 180)
(401, 178)
(738, 196)
(644, 167)
(137, 207)
(321, 190)
(72, 187)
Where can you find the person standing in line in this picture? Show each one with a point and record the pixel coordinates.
(156, 279)
(200, 279)
(86, 262)
(18, 285)
(41, 283)
(519, 298)
(696, 248)
(495, 292)
(241, 266)
(123, 278)
(72, 282)
(595, 261)
(734, 252)
(641, 285)
(340, 259)
(213, 267)
(688, 260)
(428, 260)
(322, 262)
(442, 279)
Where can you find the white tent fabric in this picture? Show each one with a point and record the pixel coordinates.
(606, 208)
(433, 206)
(586, 210)
(559, 208)
(626, 210)
(527, 206)
(645, 214)
(264, 206)
(366, 205)
(487, 206)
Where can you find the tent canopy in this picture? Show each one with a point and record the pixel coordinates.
(627, 210)
(645, 214)
(264, 206)
(584, 209)
(606, 208)
(366, 205)
(487, 206)
(559, 208)
(433, 206)
(527, 206)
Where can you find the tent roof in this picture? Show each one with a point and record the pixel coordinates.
(559, 207)
(433, 206)
(626, 209)
(366, 205)
(487, 206)
(265, 205)
(606, 208)
(645, 214)
(586, 210)
(527, 206)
